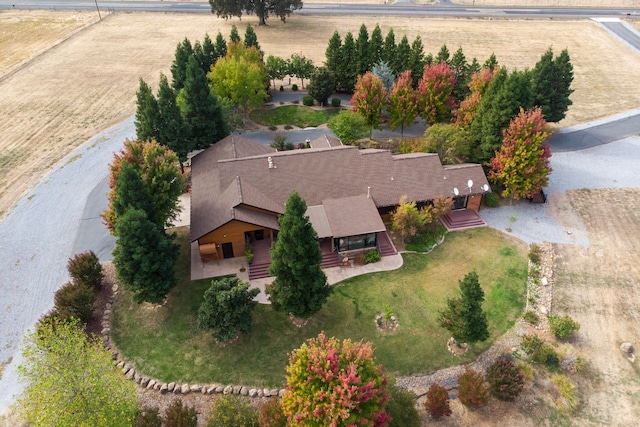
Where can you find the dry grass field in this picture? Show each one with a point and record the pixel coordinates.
(62, 96)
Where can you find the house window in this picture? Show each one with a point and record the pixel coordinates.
(359, 241)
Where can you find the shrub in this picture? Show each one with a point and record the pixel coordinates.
(85, 269)
(472, 390)
(531, 317)
(372, 256)
(531, 344)
(540, 352)
(534, 253)
(505, 379)
(307, 100)
(74, 300)
(288, 127)
(279, 140)
(149, 418)
(289, 146)
(281, 88)
(401, 407)
(273, 128)
(527, 371)
(563, 326)
(437, 403)
(232, 410)
(271, 414)
(294, 87)
(491, 200)
(179, 415)
(296, 101)
(335, 102)
(567, 400)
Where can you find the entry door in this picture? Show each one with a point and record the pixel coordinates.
(227, 250)
(459, 202)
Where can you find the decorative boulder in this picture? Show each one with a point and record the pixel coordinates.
(626, 347)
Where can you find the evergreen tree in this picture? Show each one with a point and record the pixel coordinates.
(144, 257)
(184, 51)
(428, 60)
(131, 193)
(202, 113)
(198, 54)
(172, 130)
(389, 49)
(363, 58)
(332, 53)
(250, 38)
(376, 45)
(234, 36)
(491, 62)
(403, 52)
(498, 106)
(349, 73)
(322, 85)
(227, 308)
(382, 70)
(416, 60)
(209, 53)
(464, 317)
(146, 113)
(443, 55)
(300, 286)
(461, 76)
(551, 85)
(221, 46)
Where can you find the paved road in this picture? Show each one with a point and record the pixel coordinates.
(398, 9)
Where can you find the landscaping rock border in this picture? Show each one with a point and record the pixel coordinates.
(130, 372)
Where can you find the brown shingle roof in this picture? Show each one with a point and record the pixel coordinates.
(354, 215)
(317, 175)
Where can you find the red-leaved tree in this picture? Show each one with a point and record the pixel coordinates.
(369, 99)
(522, 163)
(437, 404)
(333, 383)
(435, 93)
(403, 103)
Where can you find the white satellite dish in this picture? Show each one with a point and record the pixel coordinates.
(485, 187)
(470, 183)
(455, 191)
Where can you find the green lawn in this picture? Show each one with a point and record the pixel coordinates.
(165, 343)
(295, 115)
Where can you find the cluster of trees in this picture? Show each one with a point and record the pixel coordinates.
(261, 8)
(486, 114)
(409, 219)
(296, 65)
(145, 182)
(210, 83)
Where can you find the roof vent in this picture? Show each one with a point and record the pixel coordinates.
(368, 192)
(271, 165)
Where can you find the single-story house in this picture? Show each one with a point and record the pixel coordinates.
(240, 187)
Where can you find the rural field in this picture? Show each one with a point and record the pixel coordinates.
(65, 77)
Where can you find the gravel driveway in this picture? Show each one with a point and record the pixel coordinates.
(39, 235)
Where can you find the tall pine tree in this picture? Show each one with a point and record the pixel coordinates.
(416, 60)
(464, 316)
(300, 286)
(349, 64)
(333, 60)
(184, 51)
(402, 53)
(389, 49)
(144, 257)
(376, 44)
(131, 193)
(221, 46)
(201, 112)
(172, 129)
(363, 57)
(461, 75)
(146, 113)
(551, 85)
(251, 38)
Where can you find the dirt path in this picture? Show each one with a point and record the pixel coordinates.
(598, 287)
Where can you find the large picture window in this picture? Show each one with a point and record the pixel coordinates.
(360, 241)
